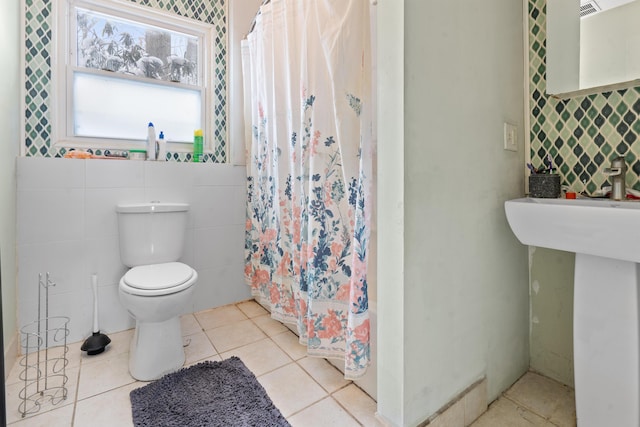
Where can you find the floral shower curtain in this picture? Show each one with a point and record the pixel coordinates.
(306, 67)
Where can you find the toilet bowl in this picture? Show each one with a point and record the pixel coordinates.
(157, 289)
(155, 296)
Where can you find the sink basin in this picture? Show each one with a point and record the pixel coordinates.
(600, 227)
(605, 235)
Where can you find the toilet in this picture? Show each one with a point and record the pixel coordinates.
(157, 289)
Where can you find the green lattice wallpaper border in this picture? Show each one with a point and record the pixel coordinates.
(582, 134)
(38, 86)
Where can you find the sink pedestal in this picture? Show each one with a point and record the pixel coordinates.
(605, 237)
(606, 342)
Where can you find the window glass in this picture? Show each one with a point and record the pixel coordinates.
(197, 57)
(129, 65)
(115, 44)
(109, 107)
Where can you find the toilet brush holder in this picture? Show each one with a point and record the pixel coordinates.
(544, 185)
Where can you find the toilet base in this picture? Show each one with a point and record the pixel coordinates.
(156, 349)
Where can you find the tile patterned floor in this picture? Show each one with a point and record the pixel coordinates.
(533, 400)
(308, 391)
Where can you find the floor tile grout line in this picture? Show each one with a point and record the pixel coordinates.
(343, 406)
(194, 314)
(218, 353)
(524, 406)
(75, 398)
(329, 394)
(292, 361)
(142, 383)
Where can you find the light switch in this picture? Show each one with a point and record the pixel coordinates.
(510, 137)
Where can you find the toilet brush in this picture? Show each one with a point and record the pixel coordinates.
(97, 342)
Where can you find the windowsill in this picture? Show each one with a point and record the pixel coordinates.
(173, 147)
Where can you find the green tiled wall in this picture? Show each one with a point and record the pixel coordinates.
(582, 134)
(38, 88)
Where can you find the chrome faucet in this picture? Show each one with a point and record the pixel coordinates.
(618, 173)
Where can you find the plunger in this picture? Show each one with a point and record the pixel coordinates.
(97, 342)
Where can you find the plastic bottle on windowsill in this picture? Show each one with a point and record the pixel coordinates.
(151, 142)
(162, 148)
(198, 145)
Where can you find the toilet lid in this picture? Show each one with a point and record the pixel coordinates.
(158, 276)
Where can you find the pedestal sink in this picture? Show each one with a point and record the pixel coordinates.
(605, 235)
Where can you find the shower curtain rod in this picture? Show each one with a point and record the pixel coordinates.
(253, 23)
(266, 2)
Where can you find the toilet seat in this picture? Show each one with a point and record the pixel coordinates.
(158, 279)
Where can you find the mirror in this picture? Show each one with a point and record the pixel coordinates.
(597, 52)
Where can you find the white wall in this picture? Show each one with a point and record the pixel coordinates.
(10, 48)
(241, 14)
(390, 210)
(609, 43)
(67, 226)
(459, 306)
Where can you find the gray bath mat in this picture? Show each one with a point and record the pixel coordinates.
(207, 394)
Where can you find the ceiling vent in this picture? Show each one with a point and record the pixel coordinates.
(589, 8)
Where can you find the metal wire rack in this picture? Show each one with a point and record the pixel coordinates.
(44, 364)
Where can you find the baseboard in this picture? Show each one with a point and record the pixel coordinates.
(464, 409)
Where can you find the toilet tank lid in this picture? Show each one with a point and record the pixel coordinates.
(152, 207)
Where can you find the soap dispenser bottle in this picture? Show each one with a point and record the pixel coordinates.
(162, 148)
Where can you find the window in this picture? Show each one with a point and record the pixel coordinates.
(122, 66)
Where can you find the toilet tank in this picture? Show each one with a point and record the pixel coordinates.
(151, 233)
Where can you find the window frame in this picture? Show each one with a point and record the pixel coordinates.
(63, 68)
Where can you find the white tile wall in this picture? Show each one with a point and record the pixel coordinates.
(67, 225)
(50, 215)
(115, 174)
(40, 173)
